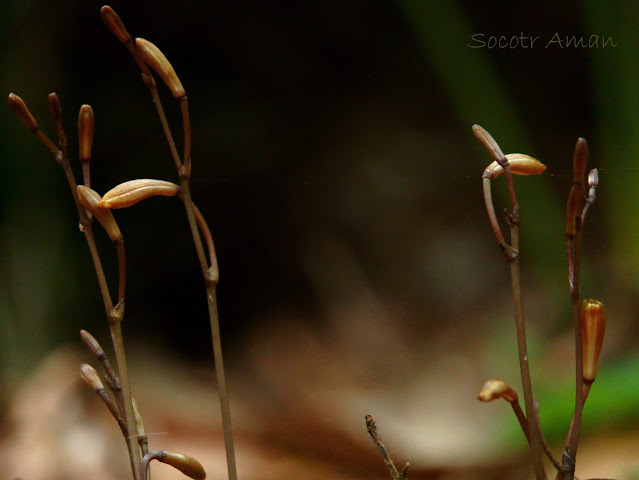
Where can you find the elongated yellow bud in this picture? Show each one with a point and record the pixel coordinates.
(593, 330)
(19, 108)
(520, 164)
(131, 192)
(155, 59)
(90, 199)
(89, 375)
(189, 466)
(494, 389)
(113, 21)
(86, 127)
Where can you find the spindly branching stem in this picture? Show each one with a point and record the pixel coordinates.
(114, 315)
(149, 57)
(577, 208)
(511, 252)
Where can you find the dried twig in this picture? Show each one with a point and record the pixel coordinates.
(372, 431)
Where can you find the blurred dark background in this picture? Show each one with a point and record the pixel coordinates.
(334, 161)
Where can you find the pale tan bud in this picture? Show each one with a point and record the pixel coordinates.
(89, 375)
(131, 192)
(86, 127)
(593, 181)
(488, 142)
(520, 164)
(155, 59)
(92, 344)
(189, 466)
(494, 389)
(18, 107)
(113, 21)
(593, 330)
(90, 199)
(593, 178)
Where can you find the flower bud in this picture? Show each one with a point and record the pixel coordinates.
(18, 107)
(593, 181)
(54, 106)
(90, 199)
(488, 142)
(520, 164)
(155, 59)
(86, 127)
(189, 466)
(92, 344)
(593, 329)
(113, 21)
(89, 375)
(494, 389)
(131, 192)
(580, 160)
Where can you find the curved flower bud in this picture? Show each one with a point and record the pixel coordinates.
(90, 199)
(115, 24)
(487, 140)
(155, 59)
(593, 330)
(494, 389)
(189, 466)
(131, 192)
(520, 164)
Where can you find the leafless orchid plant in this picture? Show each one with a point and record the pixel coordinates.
(90, 205)
(588, 316)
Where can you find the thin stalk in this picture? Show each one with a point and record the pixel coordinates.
(210, 280)
(209, 272)
(515, 275)
(186, 121)
(165, 125)
(573, 247)
(521, 417)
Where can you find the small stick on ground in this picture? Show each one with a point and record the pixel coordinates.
(372, 431)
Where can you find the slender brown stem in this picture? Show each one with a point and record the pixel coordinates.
(521, 417)
(186, 122)
(515, 274)
(165, 126)
(210, 280)
(122, 270)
